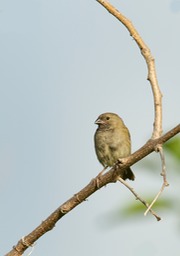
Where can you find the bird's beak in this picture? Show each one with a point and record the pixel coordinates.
(99, 121)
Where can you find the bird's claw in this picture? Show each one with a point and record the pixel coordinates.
(122, 160)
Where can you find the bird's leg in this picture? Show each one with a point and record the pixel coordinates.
(99, 175)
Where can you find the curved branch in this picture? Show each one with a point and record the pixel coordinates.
(152, 77)
(82, 195)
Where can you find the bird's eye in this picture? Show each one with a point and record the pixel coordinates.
(107, 118)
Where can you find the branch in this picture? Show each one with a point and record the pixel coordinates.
(145, 51)
(152, 77)
(82, 195)
(139, 198)
(165, 183)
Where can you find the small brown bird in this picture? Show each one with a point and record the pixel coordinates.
(112, 141)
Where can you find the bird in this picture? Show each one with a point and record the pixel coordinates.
(112, 142)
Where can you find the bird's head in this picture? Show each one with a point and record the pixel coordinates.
(108, 121)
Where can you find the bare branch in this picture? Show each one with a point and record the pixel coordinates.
(163, 173)
(138, 197)
(145, 51)
(108, 177)
(152, 77)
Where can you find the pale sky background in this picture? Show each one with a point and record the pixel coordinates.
(62, 64)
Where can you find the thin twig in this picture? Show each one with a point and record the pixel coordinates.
(155, 199)
(138, 197)
(163, 174)
(150, 61)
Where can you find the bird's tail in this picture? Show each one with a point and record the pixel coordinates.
(128, 174)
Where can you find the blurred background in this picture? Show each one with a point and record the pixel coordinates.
(62, 64)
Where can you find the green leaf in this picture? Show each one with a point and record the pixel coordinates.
(173, 147)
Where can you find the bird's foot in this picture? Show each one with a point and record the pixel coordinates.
(122, 160)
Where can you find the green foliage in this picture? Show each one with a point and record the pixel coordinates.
(137, 208)
(173, 147)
